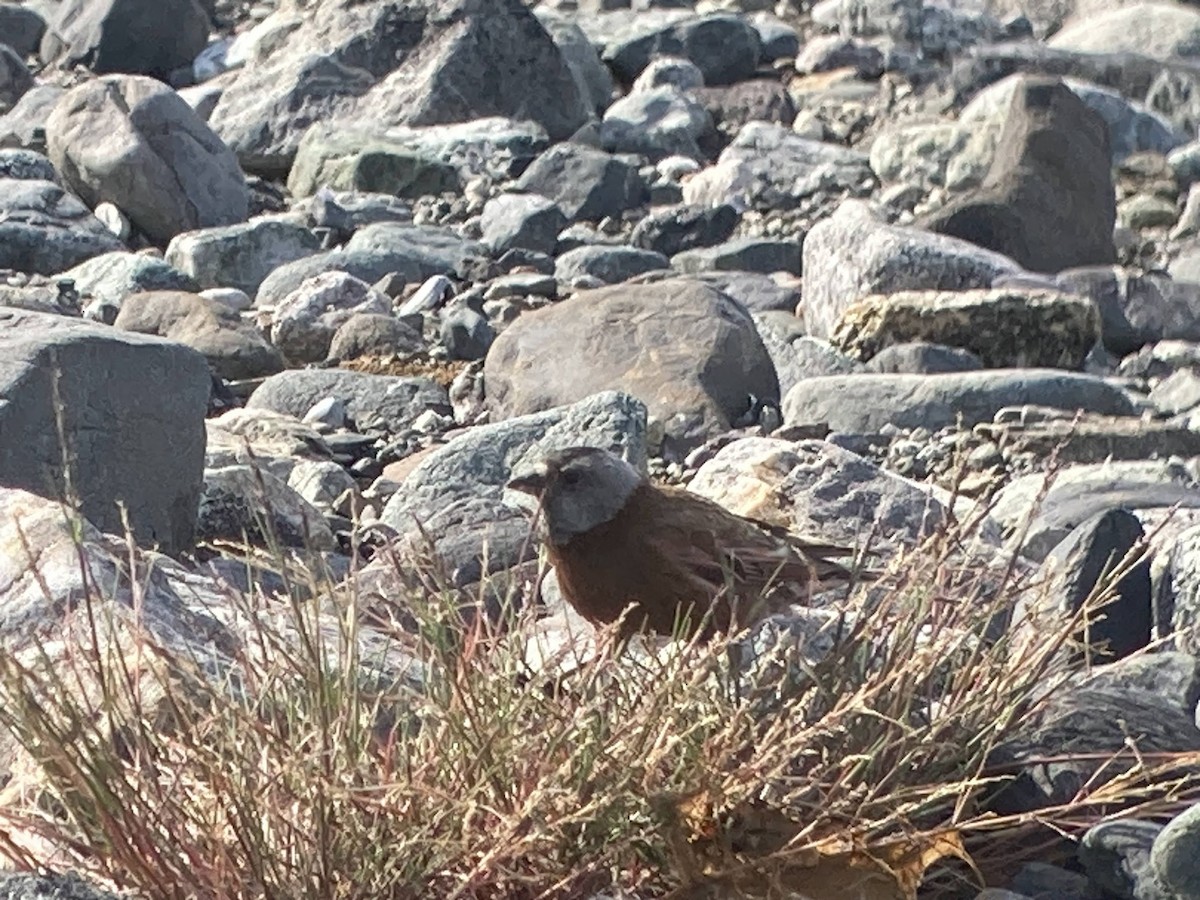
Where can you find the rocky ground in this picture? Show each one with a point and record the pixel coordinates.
(855, 267)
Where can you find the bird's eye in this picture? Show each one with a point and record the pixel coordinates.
(571, 476)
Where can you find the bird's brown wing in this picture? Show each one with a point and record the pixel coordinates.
(716, 545)
(819, 554)
(674, 555)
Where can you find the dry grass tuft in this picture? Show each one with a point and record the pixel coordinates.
(442, 371)
(312, 768)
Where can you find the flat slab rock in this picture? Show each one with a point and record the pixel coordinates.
(1094, 439)
(863, 404)
(373, 402)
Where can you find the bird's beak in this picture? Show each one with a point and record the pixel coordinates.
(529, 482)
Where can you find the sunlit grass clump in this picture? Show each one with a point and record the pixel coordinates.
(323, 759)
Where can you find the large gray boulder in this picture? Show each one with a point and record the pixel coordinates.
(132, 410)
(1082, 563)
(433, 250)
(689, 352)
(1137, 308)
(135, 143)
(608, 264)
(136, 37)
(405, 62)
(854, 253)
(524, 221)
(656, 123)
(1047, 201)
(343, 160)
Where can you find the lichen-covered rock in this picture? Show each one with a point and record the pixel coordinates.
(940, 154)
(1004, 328)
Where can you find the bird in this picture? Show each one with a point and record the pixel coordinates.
(660, 559)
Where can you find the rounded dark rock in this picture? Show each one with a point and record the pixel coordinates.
(1116, 857)
(374, 334)
(1081, 563)
(1175, 855)
(466, 334)
(679, 228)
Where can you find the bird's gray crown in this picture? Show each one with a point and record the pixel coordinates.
(580, 488)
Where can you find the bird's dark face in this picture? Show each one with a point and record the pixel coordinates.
(579, 489)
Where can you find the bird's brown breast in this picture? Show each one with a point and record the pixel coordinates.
(672, 555)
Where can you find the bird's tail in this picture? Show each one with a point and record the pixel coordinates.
(827, 570)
